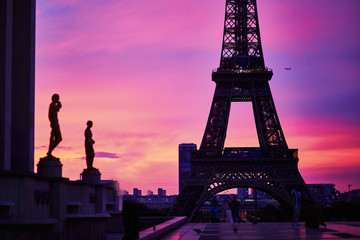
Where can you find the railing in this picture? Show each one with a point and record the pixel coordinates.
(246, 153)
(244, 70)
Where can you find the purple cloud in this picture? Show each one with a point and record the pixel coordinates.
(107, 155)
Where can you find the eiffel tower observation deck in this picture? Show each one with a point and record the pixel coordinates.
(241, 77)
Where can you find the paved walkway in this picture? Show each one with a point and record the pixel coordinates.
(271, 231)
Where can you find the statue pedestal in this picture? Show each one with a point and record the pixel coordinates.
(49, 167)
(91, 175)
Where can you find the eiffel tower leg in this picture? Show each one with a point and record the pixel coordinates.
(215, 132)
(267, 122)
(188, 196)
(209, 176)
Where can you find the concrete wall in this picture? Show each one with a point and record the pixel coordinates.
(17, 85)
(5, 83)
(56, 209)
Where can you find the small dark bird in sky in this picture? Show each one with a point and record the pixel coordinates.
(287, 68)
(198, 231)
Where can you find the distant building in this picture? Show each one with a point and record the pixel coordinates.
(243, 193)
(136, 192)
(153, 201)
(161, 192)
(184, 162)
(323, 193)
(123, 192)
(149, 193)
(352, 196)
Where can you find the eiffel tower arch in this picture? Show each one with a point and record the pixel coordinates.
(241, 77)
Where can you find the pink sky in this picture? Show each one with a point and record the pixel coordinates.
(141, 71)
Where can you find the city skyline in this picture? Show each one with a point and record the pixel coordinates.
(141, 71)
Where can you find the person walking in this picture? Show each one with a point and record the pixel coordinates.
(214, 209)
(235, 212)
(296, 198)
(228, 215)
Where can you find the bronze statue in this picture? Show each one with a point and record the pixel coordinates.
(55, 135)
(89, 142)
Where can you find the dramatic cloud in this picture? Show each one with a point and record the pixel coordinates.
(59, 147)
(41, 147)
(108, 155)
(105, 155)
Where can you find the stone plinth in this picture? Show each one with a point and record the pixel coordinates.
(50, 167)
(91, 175)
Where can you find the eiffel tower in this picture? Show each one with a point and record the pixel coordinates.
(241, 77)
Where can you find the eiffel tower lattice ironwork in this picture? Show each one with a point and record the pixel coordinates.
(241, 77)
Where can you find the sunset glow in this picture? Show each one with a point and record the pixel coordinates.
(141, 71)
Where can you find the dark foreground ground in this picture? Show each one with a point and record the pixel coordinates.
(271, 231)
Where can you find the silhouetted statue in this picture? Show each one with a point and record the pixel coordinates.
(89, 142)
(55, 135)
